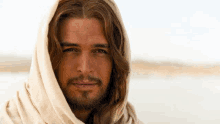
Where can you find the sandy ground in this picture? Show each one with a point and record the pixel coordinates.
(174, 69)
(15, 69)
(138, 67)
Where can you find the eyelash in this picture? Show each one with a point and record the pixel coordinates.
(102, 51)
(75, 50)
(72, 49)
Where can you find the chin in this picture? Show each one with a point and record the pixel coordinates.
(85, 100)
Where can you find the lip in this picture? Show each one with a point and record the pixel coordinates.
(84, 85)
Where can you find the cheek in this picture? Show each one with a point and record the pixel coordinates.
(63, 72)
(67, 64)
(104, 68)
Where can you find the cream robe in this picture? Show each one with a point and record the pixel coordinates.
(41, 100)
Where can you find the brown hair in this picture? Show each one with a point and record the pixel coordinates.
(113, 32)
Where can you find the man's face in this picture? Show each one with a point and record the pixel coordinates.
(85, 70)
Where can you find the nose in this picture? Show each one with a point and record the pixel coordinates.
(84, 64)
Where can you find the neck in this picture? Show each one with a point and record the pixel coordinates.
(82, 115)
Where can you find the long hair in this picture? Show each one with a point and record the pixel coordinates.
(113, 32)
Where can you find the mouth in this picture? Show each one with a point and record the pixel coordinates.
(85, 85)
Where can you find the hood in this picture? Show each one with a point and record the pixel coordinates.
(41, 100)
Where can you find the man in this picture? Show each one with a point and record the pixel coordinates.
(80, 69)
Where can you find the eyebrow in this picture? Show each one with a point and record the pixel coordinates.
(73, 44)
(101, 45)
(68, 44)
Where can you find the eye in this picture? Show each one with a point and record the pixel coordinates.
(100, 51)
(71, 50)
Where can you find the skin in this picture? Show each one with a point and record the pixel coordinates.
(88, 57)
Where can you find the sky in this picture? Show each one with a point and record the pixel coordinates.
(172, 30)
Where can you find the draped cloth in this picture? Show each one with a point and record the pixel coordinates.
(41, 101)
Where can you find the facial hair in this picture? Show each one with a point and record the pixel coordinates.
(85, 102)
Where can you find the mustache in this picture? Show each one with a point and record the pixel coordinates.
(81, 77)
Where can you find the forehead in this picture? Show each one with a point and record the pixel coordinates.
(81, 30)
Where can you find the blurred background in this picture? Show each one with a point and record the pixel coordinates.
(175, 74)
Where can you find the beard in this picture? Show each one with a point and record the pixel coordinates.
(82, 100)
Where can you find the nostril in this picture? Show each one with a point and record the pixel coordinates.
(84, 67)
